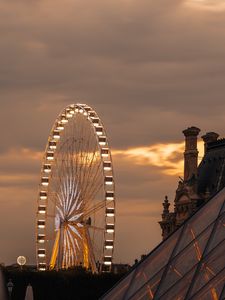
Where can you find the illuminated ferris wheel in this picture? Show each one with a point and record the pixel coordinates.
(76, 204)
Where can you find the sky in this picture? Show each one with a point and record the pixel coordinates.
(149, 68)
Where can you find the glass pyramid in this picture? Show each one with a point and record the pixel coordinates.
(189, 264)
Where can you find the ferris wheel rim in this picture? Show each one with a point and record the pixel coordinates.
(107, 168)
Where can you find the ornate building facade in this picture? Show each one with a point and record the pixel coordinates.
(199, 183)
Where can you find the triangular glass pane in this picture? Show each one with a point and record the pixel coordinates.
(210, 267)
(147, 291)
(184, 261)
(212, 289)
(218, 235)
(118, 292)
(223, 208)
(143, 294)
(201, 219)
(152, 264)
(179, 289)
(222, 296)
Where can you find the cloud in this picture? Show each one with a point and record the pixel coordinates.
(168, 157)
(216, 5)
(133, 61)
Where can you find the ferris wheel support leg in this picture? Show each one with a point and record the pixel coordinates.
(91, 256)
(55, 251)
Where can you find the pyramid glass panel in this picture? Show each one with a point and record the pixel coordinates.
(219, 233)
(179, 289)
(210, 267)
(149, 288)
(184, 261)
(189, 264)
(222, 296)
(121, 289)
(212, 289)
(148, 269)
(201, 220)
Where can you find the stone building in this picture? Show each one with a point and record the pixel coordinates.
(199, 183)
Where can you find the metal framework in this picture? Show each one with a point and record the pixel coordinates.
(76, 200)
(188, 265)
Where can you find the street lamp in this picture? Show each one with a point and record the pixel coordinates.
(10, 286)
(21, 260)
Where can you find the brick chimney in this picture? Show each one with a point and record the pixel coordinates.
(191, 152)
(208, 138)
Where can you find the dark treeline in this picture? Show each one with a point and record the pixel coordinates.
(74, 284)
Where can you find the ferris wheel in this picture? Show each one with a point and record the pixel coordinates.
(76, 204)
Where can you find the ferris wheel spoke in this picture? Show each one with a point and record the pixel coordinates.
(75, 217)
(75, 209)
(75, 157)
(60, 212)
(75, 205)
(94, 208)
(73, 197)
(96, 228)
(92, 190)
(72, 188)
(66, 188)
(59, 177)
(75, 231)
(71, 184)
(86, 170)
(67, 199)
(59, 200)
(94, 169)
(91, 168)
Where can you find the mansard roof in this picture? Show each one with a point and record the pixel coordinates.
(211, 171)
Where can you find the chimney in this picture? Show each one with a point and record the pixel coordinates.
(191, 152)
(208, 138)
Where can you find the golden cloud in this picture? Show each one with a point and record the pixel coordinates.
(213, 5)
(168, 157)
(21, 154)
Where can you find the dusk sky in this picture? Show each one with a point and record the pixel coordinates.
(150, 68)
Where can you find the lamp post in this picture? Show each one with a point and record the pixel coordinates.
(10, 286)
